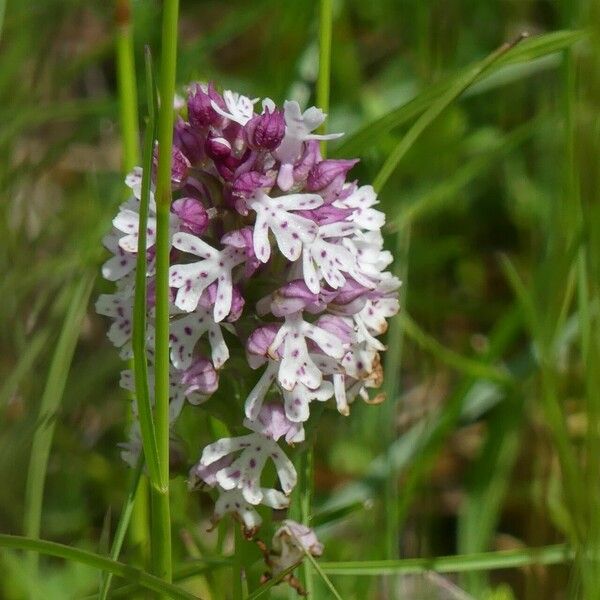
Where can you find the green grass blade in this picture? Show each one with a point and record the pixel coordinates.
(480, 561)
(160, 511)
(454, 91)
(25, 363)
(51, 399)
(122, 526)
(468, 366)
(263, 589)
(529, 50)
(487, 485)
(96, 561)
(323, 576)
(126, 83)
(451, 188)
(138, 342)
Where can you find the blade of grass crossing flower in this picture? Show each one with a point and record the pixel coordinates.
(50, 402)
(530, 50)
(161, 520)
(122, 526)
(481, 561)
(454, 91)
(307, 458)
(142, 390)
(96, 561)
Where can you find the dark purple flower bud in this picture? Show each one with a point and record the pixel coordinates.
(310, 156)
(265, 132)
(200, 111)
(200, 378)
(326, 172)
(190, 142)
(248, 183)
(192, 213)
(218, 148)
(273, 423)
(179, 165)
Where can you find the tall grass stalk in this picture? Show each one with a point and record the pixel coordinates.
(324, 75)
(161, 518)
(49, 406)
(130, 135)
(126, 84)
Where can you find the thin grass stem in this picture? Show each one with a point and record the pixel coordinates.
(324, 75)
(50, 403)
(161, 520)
(122, 527)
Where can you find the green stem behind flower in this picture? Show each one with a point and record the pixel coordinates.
(324, 77)
(126, 83)
(161, 520)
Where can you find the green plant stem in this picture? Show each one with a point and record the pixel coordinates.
(391, 388)
(51, 399)
(480, 561)
(126, 83)
(161, 520)
(324, 76)
(122, 526)
(96, 561)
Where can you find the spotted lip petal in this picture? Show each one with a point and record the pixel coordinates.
(193, 278)
(291, 231)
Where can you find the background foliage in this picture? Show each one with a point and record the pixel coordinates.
(489, 438)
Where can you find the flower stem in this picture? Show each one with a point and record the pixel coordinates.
(161, 519)
(323, 80)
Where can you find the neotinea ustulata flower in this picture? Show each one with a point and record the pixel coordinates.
(275, 256)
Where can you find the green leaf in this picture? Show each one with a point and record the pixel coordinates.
(456, 88)
(481, 561)
(90, 559)
(51, 399)
(529, 50)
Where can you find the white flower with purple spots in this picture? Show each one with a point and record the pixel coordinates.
(244, 472)
(192, 279)
(291, 231)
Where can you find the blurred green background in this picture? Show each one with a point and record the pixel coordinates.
(492, 381)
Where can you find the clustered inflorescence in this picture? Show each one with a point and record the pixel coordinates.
(257, 207)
